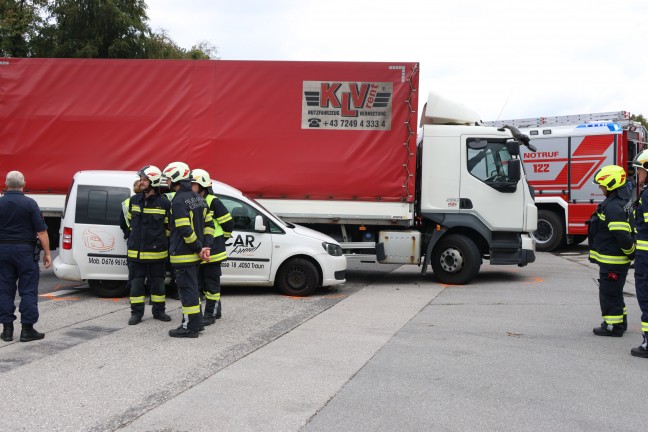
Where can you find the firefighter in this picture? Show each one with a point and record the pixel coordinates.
(147, 217)
(641, 260)
(192, 231)
(209, 273)
(612, 247)
(124, 224)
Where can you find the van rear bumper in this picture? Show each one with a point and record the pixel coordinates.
(64, 271)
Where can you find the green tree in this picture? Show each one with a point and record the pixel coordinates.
(21, 23)
(99, 28)
(640, 118)
(87, 28)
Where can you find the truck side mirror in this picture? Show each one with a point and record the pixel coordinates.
(513, 147)
(514, 170)
(259, 226)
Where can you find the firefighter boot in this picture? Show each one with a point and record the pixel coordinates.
(218, 310)
(641, 350)
(159, 312)
(29, 333)
(7, 332)
(189, 328)
(606, 329)
(209, 317)
(625, 323)
(137, 312)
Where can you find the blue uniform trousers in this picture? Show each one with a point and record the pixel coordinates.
(18, 270)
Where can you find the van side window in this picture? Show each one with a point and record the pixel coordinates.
(244, 214)
(100, 205)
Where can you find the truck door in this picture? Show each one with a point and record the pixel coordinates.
(249, 253)
(481, 187)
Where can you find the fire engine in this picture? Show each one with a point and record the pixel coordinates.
(570, 149)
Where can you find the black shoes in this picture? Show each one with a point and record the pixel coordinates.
(182, 332)
(209, 320)
(7, 332)
(639, 352)
(609, 330)
(162, 316)
(135, 319)
(29, 333)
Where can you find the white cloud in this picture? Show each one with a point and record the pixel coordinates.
(523, 59)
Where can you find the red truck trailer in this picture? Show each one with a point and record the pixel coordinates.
(571, 149)
(332, 145)
(258, 126)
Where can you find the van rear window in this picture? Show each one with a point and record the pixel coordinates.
(100, 205)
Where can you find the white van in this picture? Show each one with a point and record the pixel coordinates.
(263, 250)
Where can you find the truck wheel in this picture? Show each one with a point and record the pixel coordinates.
(550, 232)
(297, 277)
(108, 288)
(456, 260)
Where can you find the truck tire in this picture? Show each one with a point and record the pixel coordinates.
(297, 277)
(108, 288)
(550, 233)
(456, 260)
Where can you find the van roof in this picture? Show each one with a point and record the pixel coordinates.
(126, 179)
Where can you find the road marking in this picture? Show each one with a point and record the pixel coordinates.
(58, 293)
(534, 280)
(114, 299)
(55, 296)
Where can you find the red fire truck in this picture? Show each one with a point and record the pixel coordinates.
(571, 149)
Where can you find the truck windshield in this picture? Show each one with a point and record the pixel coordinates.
(488, 161)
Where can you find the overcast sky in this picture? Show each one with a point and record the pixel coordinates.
(504, 59)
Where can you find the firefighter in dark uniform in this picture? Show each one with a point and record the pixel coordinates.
(147, 217)
(21, 223)
(612, 247)
(641, 260)
(209, 273)
(192, 231)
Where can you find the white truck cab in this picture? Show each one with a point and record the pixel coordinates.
(263, 250)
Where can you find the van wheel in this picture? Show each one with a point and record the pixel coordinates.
(108, 288)
(456, 260)
(297, 277)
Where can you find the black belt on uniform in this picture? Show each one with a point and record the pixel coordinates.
(17, 242)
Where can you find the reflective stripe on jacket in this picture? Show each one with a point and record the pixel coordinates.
(148, 218)
(611, 230)
(192, 227)
(223, 226)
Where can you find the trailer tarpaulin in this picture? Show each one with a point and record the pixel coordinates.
(319, 130)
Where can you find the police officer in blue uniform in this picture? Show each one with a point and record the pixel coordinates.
(21, 223)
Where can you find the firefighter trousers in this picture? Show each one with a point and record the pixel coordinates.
(209, 281)
(641, 286)
(155, 273)
(186, 277)
(611, 284)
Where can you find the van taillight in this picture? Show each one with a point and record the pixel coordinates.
(67, 238)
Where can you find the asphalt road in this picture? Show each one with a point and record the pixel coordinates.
(389, 350)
